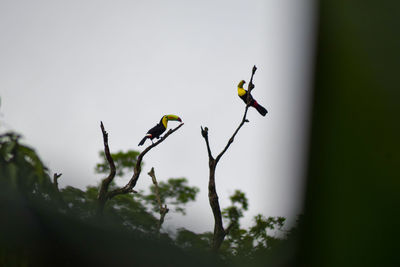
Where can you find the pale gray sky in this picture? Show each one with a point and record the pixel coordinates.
(66, 65)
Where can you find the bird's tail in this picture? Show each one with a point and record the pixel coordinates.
(260, 108)
(143, 140)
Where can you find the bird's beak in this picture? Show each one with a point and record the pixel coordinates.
(173, 118)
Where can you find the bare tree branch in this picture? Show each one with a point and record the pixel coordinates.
(233, 136)
(104, 194)
(250, 87)
(219, 231)
(204, 133)
(110, 160)
(137, 170)
(106, 181)
(163, 210)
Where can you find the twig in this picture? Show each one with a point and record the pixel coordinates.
(251, 86)
(132, 191)
(204, 133)
(163, 210)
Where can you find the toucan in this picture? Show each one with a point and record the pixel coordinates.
(243, 95)
(157, 130)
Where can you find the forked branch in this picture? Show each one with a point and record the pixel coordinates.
(138, 168)
(219, 231)
(104, 193)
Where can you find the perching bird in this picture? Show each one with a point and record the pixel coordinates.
(243, 95)
(157, 130)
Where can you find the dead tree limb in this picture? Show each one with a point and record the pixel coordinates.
(104, 193)
(163, 209)
(219, 231)
(106, 182)
(102, 198)
(58, 195)
(56, 176)
(138, 168)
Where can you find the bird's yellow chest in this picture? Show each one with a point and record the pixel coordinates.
(241, 91)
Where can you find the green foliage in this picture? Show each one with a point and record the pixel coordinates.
(130, 211)
(80, 203)
(189, 240)
(22, 170)
(175, 192)
(124, 162)
(259, 230)
(247, 243)
(240, 198)
(234, 212)
(240, 245)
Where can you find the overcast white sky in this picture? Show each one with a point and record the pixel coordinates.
(66, 65)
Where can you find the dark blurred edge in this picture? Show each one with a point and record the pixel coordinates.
(33, 234)
(353, 181)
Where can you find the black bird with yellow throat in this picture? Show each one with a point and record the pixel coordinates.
(160, 127)
(243, 95)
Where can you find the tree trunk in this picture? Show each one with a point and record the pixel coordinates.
(219, 232)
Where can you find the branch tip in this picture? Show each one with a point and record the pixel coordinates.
(204, 132)
(254, 69)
